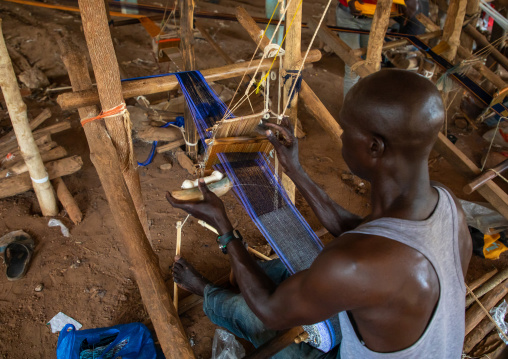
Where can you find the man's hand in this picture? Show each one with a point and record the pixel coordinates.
(287, 149)
(210, 209)
(352, 8)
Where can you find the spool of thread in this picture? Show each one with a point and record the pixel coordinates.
(214, 177)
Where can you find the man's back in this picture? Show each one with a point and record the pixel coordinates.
(419, 319)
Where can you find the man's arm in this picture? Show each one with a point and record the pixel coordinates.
(332, 284)
(336, 280)
(334, 218)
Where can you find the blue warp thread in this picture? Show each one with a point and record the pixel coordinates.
(179, 122)
(295, 77)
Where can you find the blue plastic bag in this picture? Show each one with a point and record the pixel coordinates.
(127, 341)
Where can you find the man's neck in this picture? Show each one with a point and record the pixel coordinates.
(405, 194)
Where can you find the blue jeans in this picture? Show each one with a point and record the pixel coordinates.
(229, 310)
(354, 41)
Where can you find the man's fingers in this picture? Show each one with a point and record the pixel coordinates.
(273, 140)
(286, 133)
(177, 203)
(203, 188)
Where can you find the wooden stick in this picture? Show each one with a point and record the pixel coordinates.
(488, 286)
(67, 200)
(107, 76)
(378, 33)
(42, 135)
(453, 27)
(213, 43)
(466, 54)
(26, 141)
(483, 42)
(185, 161)
(12, 186)
(187, 48)
(402, 42)
(477, 334)
(488, 175)
(73, 100)
(170, 146)
(51, 155)
(177, 253)
(478, 282)
(43, 148)
(143, 261)
(475, 314)
(43, 116)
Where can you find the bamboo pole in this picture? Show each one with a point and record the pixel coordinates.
(187, 47)
(378, 33)
(26, 141)
(144, 263)
(107, 75)
(74, 100)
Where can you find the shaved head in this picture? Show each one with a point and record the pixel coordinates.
(401, 107)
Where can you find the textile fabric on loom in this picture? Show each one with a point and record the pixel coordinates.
(260, 192)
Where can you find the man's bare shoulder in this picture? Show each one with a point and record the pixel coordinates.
(363, 264)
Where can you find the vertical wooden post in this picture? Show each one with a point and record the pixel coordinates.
(378, 33)
(291, 62)
(453, 27)
(21, 126)
(107, 75)
(472, 8)
(143, 261)
(187, 47)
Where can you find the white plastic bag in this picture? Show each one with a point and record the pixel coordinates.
(498, 313)
(225, 346)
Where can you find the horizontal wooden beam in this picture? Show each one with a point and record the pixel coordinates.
(73, 100)
(14, 185)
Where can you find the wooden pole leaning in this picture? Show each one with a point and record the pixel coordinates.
(378, 33)
(311, 102)
(107, 75)
(143, 261)
(291, 62)
(453, 27)
(187, 47)
(483, 42)
(28, 147)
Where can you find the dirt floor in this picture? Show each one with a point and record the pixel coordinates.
(87, 276)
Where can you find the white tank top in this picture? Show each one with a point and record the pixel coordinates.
(437, 239)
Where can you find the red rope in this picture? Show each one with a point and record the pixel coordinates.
(109, 113)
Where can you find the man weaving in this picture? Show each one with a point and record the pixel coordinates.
(394, 278)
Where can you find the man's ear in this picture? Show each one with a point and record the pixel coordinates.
(377, 146)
